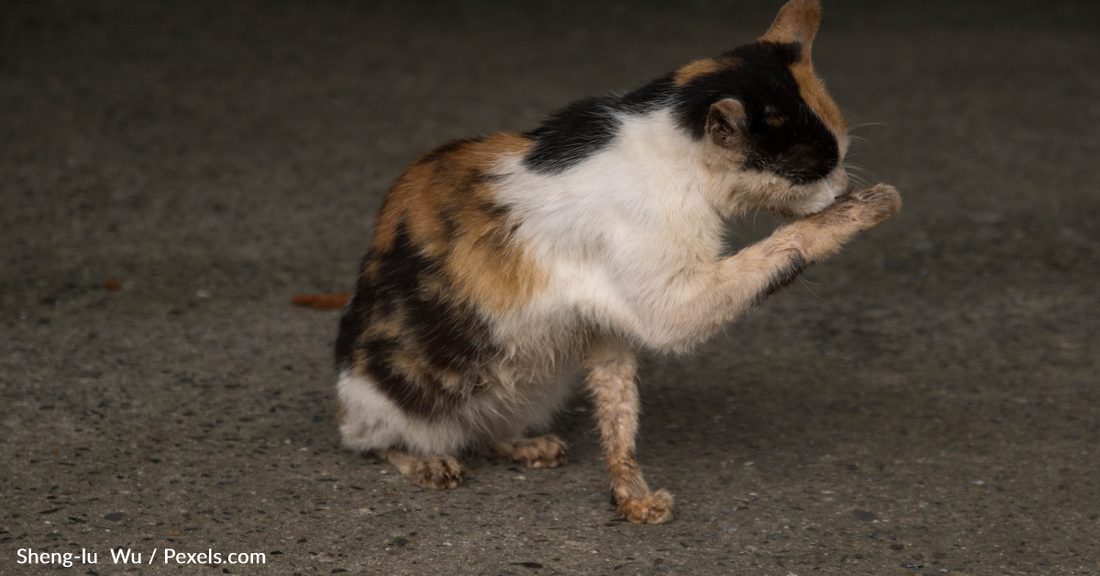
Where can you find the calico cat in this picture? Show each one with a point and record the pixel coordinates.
(500, 263)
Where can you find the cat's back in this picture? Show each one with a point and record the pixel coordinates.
(444, 218)
(442, 264)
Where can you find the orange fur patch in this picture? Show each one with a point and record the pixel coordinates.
(446, 201)
(700, 68)
(812, 90)
(797, 21)
(405, 193)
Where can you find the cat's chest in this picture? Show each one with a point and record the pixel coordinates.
(610, 264)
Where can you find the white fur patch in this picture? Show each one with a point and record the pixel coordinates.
(631, 237)
(374, 422)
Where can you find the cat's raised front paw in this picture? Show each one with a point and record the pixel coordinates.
(653, 508)
(875, 204)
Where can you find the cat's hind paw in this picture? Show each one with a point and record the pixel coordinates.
(439, 473)
(542, 452)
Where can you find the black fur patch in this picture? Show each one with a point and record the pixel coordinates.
(354, 321)
(648, 98)
(586, 126)
(572, 134)
(398, 277)
(782, 278)
(451, 338)
(423, 399)
(784, 135)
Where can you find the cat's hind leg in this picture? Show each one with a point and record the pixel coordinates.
(541, 452)
(439, 473)
(611, 370)
(372, 422)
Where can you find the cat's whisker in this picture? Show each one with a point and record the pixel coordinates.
(869, 124)
(806, 284)
(857, 168)
(859, 139)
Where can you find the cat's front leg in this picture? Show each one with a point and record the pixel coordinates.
(714, 294)
(611, 369)
(821, 235)
(760, 270)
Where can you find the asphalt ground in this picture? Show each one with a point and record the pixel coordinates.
(924, 403)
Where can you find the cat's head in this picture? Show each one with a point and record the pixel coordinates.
(767, 121)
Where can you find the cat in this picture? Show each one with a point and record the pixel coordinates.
(499, 264)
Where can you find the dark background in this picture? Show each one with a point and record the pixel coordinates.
(925, 402)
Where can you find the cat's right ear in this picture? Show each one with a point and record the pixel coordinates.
(726, 123)
(797, 21)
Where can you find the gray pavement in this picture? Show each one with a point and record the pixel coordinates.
(925, 403)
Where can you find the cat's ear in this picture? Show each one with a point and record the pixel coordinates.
(726, 123)
(797, 22)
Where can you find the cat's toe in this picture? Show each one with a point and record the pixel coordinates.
(542, 452)
(877, 203)
(653, 508)
(439, 473)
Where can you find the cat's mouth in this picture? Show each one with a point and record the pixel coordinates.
(835, 186)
